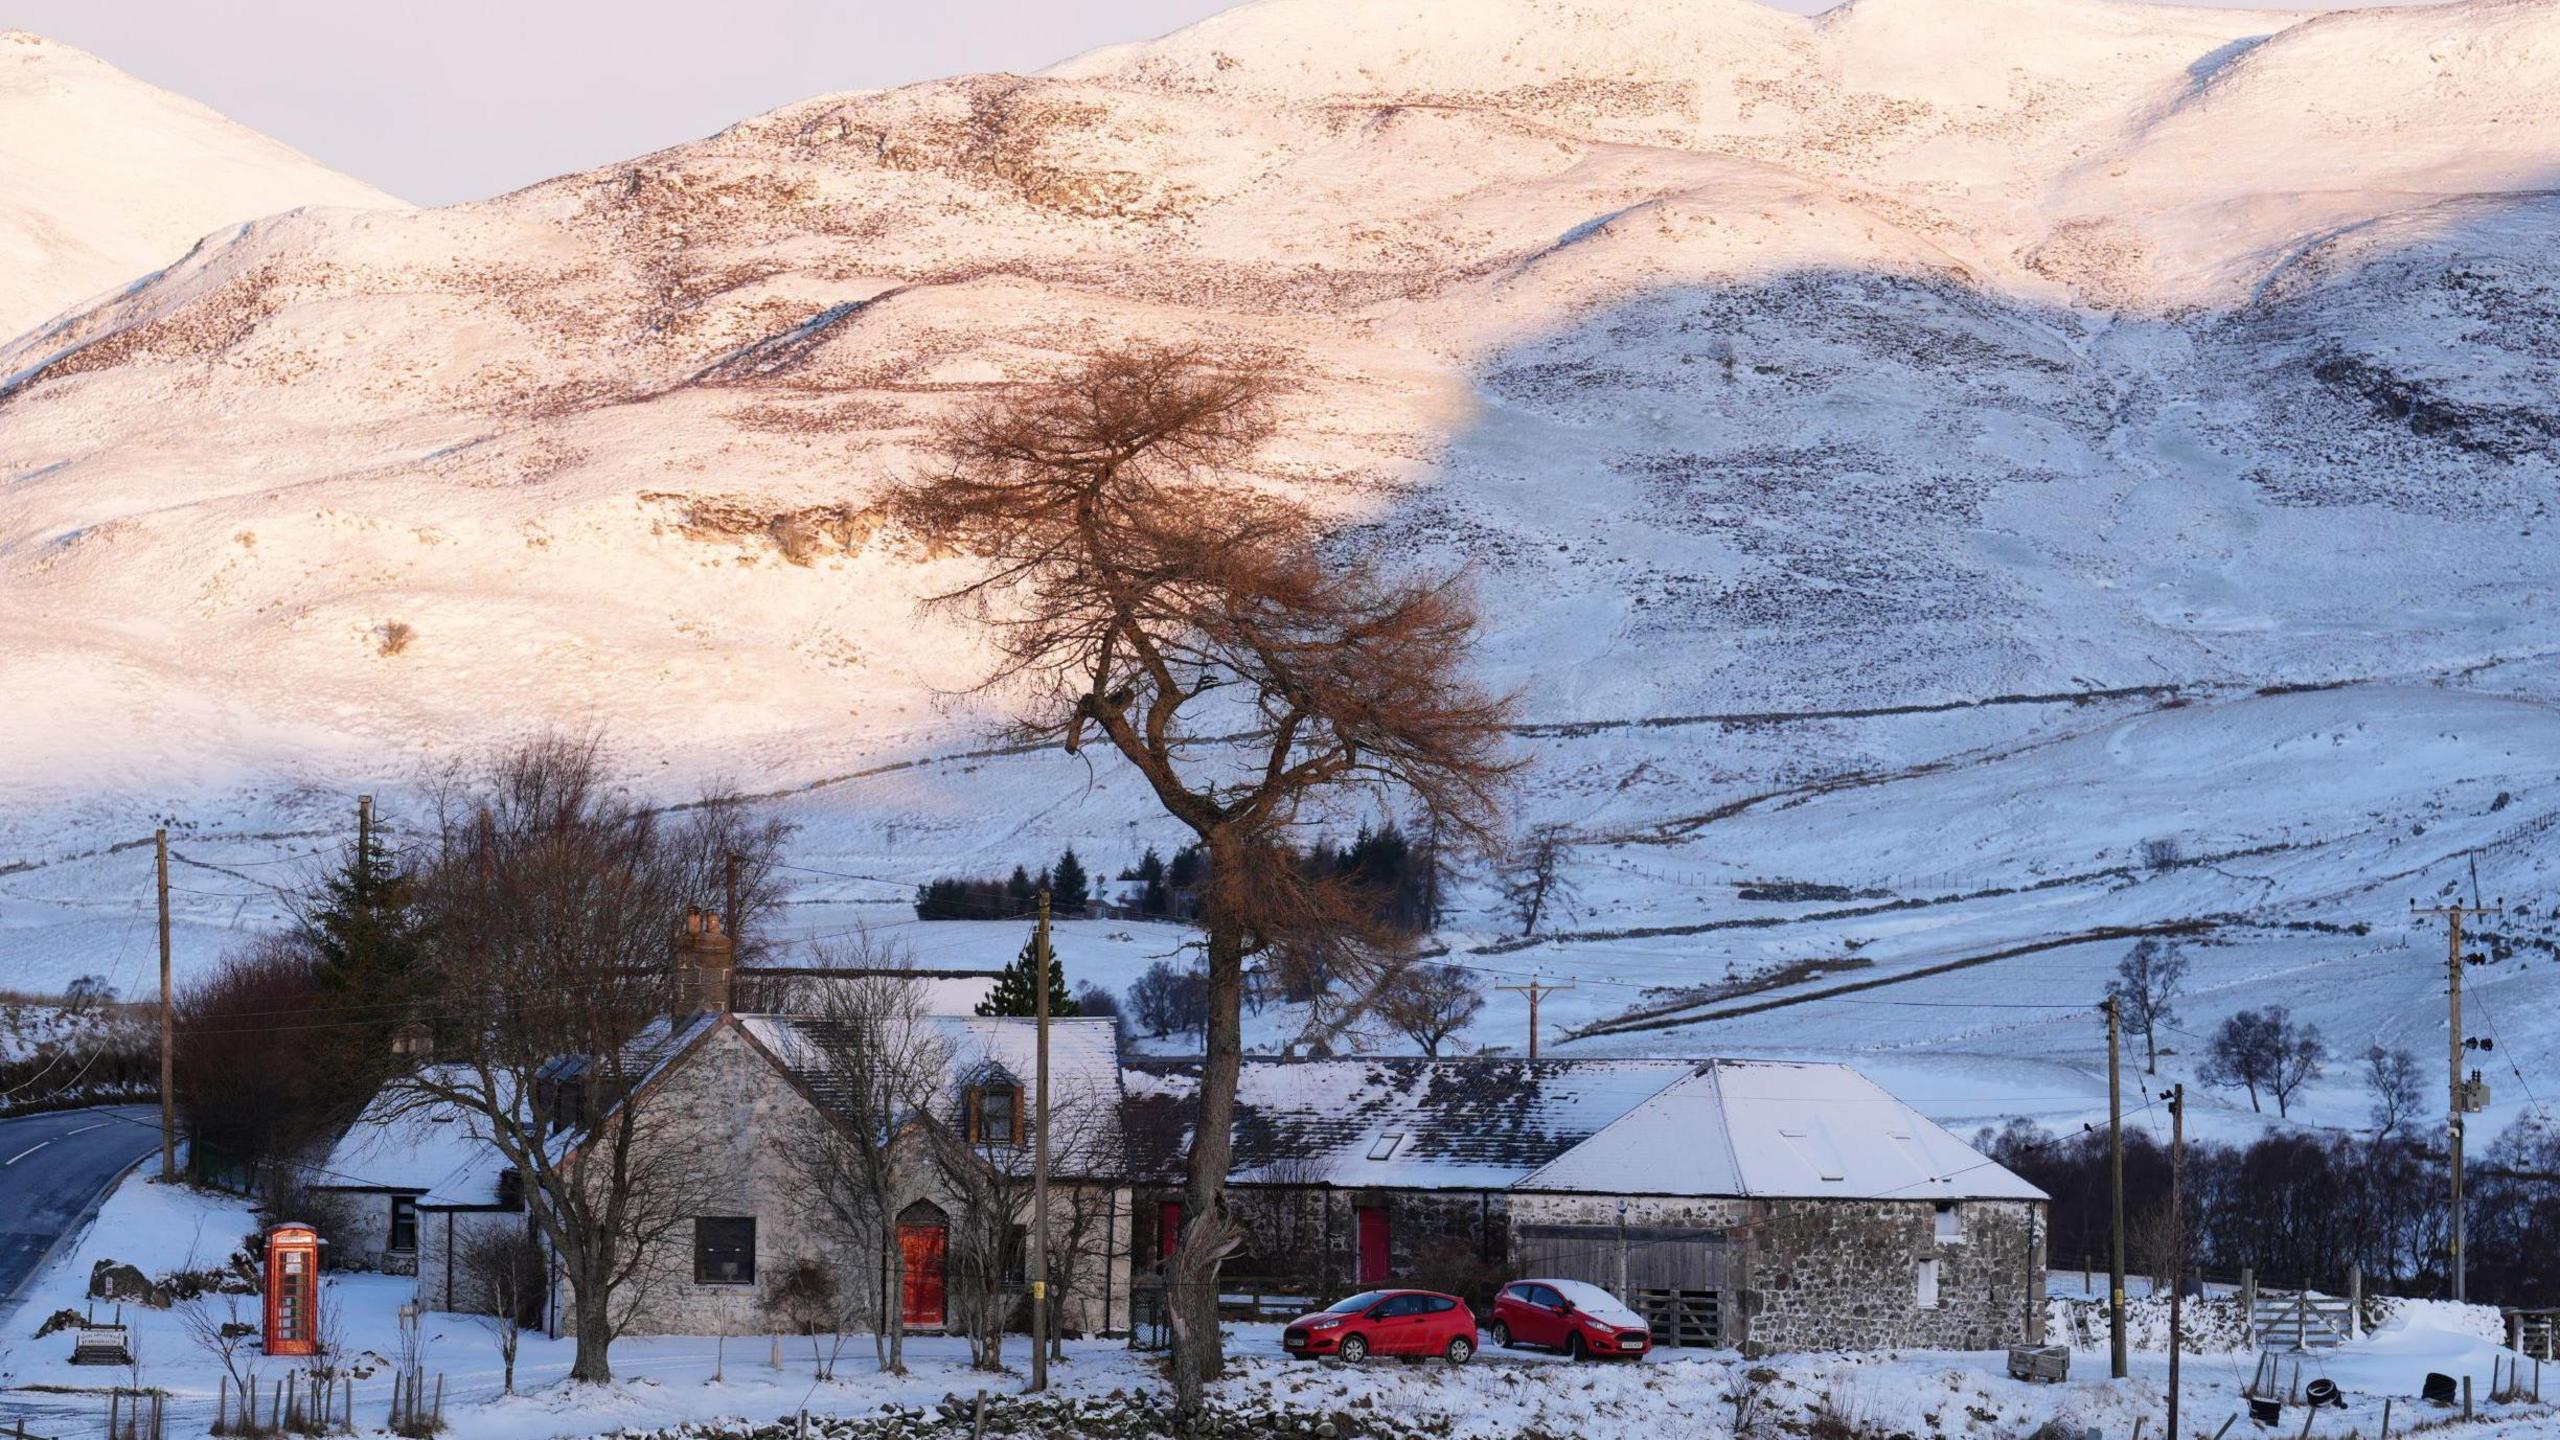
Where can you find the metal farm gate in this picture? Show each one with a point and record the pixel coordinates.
(1674, 1278)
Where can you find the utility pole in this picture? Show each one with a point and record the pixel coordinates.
(2177, 1098)
(1536, 990)
(2456, 1261)
(168, 1027)
(1040, 1166)
(2115, 1198)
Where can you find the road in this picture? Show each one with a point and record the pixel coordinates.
(54, 1169)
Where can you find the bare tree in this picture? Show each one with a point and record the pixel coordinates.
(221, 1325)
(810, 1297)
(1532, 875)
(1430, 1003)
(2263, 1050)
(1136, 591)
(2397, 1089)
(2147, 982)
(551, 905)
(502, 1266)
(887, 1064)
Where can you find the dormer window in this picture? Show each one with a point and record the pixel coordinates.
(995, 1114)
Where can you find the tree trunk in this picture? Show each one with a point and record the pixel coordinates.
(594, 1364)
(1192, 1275)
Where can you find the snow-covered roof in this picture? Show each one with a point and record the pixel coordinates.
(439, 1151)
(1466, 1124)
(1084, 1073)
(1780, 1129)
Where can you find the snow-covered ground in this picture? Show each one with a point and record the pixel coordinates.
(1503, 1394)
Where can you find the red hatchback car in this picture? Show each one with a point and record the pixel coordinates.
(1413, 1323)
(1567, 1315)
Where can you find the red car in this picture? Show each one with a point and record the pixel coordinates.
(1412, 1323)
(1568, 1315)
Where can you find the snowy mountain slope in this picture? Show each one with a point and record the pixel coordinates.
(104, 179)
(1827, 410)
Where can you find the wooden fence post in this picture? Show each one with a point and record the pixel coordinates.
(2386, 1417)
(2248, 1305)
(2466, 1396)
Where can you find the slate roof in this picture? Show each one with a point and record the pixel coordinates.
(1776, 1129)
(1605, 1127)
(1401, 1122)
(441, 1153)
(1084, 1075)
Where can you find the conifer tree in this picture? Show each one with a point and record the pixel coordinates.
(1017, 991)
(1068, 894)
(363, 925)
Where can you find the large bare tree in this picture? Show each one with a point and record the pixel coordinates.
(552, 904)
(1141, 591)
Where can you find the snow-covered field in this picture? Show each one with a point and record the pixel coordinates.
(1920, 455)
(1501, 1396)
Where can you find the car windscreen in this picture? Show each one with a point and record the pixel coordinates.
(1361, 1301)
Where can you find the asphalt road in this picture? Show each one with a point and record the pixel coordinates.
(54, 1170)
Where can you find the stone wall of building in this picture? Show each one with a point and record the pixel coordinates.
(746, 1120)
(1844, 1274)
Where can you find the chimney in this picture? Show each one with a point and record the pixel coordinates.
(705, 961)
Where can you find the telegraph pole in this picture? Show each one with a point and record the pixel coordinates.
(2115, 1199)
(168, 1028)
(1040, 1166)
(2177, 1098)
(1536, 990)
(2455, 1260)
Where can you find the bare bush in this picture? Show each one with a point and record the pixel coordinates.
(393, 636)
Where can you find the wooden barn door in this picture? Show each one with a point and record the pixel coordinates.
(924, 1245)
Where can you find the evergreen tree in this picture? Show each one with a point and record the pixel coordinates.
(1068, 893)
(1021, 891)
(363, 926)
(1017, 990)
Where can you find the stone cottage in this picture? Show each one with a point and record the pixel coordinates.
(745, 1093)
(1759, 1205)
(1778, 1206)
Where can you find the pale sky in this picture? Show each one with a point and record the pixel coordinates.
(459, 99)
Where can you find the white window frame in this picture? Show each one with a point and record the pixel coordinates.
(1946, 1223)
(1924, 1285)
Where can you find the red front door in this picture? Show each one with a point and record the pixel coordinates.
(923, 1247)
(1372, 1222)
(1168, 1228)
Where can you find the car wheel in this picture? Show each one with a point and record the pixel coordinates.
(1502, 1334)
(1575, 1350)
(1461, 1350)
(1354, 1349)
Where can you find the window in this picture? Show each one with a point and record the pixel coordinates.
(1401, 1305)
(404, 1224)
(995, 1115)
(1433, 1305)
(1927, 1295)
(1017, 1254)
(1950, 1223)
(724, 1250)
(1385, 1148)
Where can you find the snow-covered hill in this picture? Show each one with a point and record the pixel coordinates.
(1863, 414)
(104, 179)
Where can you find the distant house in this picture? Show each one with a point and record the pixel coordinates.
(397, 1179)
(1766, 1205)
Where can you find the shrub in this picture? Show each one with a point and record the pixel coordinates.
(394, 636)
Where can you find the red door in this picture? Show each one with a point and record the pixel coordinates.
(1372, 1221)
(923, 1247)
(1168, 1228)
